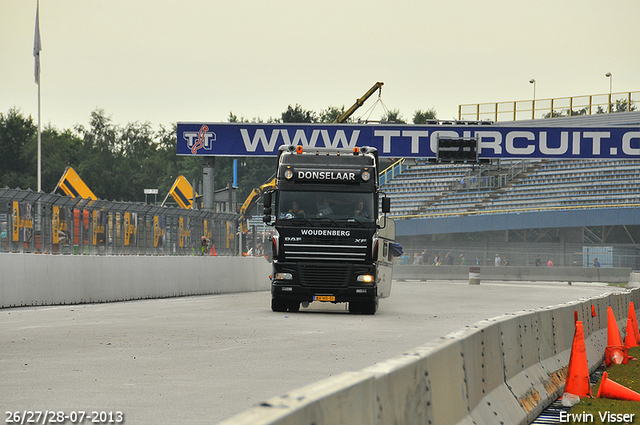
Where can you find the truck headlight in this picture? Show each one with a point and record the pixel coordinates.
(366, 176)
(365, 278)
(288, 174)
(284, 276)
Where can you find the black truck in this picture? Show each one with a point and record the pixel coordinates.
(329, 242)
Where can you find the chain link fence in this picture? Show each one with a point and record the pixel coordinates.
(521, 255)
(47, 223)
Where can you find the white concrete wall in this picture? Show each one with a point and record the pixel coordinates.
(634, 280)
(505, 370)
(514, 274)
(37, 279)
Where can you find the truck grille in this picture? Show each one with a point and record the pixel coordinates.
(325, 274)
(325, 251)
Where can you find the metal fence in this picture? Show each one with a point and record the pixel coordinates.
(522, 255)
(52, 224)
(549, 108)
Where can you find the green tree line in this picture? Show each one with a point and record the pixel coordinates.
(119, 162)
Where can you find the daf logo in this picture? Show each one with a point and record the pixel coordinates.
(292, 238)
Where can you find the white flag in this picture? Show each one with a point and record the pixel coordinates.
(37, 46)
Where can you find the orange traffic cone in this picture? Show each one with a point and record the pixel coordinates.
(613, 333)
(616, 352)
(611, 389)
(213, 249)
(632, 316)
(630, 340)
(578, 373)
(593, 310)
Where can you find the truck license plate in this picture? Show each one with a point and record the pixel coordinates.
(324, 298)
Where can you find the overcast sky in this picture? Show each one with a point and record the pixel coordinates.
(197, 60)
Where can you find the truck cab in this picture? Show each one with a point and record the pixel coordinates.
(329, 243)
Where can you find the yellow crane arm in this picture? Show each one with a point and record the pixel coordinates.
(359, 102)
(251, 200)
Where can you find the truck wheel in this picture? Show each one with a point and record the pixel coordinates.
(278, 305)
(293, 306)
(355, 307)
(370, 306)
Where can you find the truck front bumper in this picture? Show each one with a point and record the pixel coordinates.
(291, 292)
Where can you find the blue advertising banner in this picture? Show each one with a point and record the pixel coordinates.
(407, 141)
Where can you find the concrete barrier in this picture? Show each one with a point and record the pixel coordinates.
(538, 274)
(37, 279)
(634, 280)
(504, 370)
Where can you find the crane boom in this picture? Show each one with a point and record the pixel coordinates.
(359, 102)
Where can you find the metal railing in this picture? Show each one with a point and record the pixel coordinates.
(520, 256)
(47, 223)
(491, 176)
(550, 108)
(393, 170)
(490, 211)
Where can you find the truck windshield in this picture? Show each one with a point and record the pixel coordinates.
(333, 205)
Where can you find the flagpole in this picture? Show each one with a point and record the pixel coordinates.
(39, 143)
(37, 47)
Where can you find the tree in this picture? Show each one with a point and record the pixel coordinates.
(623, 105)
(59, 150)
(297, 114)
(100, 153)
(573, 113)
(553, 114)
(119, 163)
(392, 117)
(16, 168)
(421, 117)
(331, 114)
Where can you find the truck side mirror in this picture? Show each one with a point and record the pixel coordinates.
(267, 200)
(267, 208)
(386, 205)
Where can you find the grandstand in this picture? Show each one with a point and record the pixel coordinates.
(568, 209)
(435, 190)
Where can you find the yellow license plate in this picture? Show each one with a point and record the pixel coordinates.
(324, 298)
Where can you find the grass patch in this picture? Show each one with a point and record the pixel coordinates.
(627, 375)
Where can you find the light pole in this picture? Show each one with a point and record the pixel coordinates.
(608, 75)
(533, 103)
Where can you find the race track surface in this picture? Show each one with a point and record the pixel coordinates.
(203, 359)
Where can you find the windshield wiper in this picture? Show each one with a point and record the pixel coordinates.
(299, 220)
(354, 221)
(327, 218)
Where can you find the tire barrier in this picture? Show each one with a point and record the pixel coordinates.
(503, 370)
(36, 279)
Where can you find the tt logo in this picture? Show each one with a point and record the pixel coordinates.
(202, 139)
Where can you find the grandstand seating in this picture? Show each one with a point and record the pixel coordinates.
(420, 185)
(435, 189)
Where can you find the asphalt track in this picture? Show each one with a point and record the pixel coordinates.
(203, 359)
